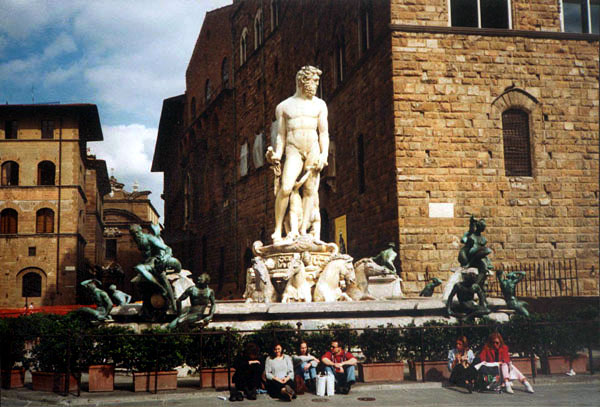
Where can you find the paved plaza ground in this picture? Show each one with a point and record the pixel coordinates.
(581, 390)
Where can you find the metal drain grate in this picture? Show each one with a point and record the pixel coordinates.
(322, 400)
(366, 399)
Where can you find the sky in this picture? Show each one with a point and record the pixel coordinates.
(125, 56)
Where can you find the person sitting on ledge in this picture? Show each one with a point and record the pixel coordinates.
(496, 351)
(341, 365)
(459, 364)
(305, 366)
(248, 373)
(280, 375)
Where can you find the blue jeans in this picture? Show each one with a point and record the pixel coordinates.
(342, 378)
(311, 373)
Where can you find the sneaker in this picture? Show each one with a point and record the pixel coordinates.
(508, 388)
(571, 373)
(528, 387)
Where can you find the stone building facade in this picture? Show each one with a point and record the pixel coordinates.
(437, 110)
(50, 201)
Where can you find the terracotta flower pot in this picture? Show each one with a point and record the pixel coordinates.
(55, 382)
(562, 364)
(435, 371)
(101, 378)
(381, 372)
(215, 377)
(14, 378)
(523, 364)
(151, 381)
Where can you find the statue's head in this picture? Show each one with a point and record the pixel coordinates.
(480, 226)
(135, 229)
(112, 287)
(204, 278)
(436, 281)
(307, 80)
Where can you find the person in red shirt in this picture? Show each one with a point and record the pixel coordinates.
(495, 350)
(341, 365)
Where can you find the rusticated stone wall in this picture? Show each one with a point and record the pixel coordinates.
(449, 92)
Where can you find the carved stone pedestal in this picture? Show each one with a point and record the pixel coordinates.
(385, 286)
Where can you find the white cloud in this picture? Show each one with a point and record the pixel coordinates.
(125, 150)
(63, 44)
(61, 75)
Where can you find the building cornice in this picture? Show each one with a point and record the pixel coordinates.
(493, 32)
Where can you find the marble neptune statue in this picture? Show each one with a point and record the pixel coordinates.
(303, 140)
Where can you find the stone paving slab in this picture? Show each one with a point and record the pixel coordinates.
(187, 391)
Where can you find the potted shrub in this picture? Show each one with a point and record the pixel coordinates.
(207, 351)
(561, 346)
(12, 348)
(57, 352)
(381, 348)
(437, 339)
(107, 351)
(153, 356)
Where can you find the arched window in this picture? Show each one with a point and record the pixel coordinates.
(243, 46)
(360, 155)
(225, 72)
(258, 29)
(340, 59)
(9, 221)
(193, 108)
(187, 196)
(31, 285)
(517, 153)
(274, 14)
(46, 173)
(366, 25)
(10, 173)
(44, 221)
(207, 91)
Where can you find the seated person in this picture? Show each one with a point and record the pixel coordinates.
(340, 364)
(495, 351)
(280, 375)
(248, 373)
(459, 364)
(305, 366)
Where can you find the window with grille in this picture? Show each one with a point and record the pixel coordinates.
(517, 150)
(10, 173)
(9, 220)
(44, 221)
(11, 129)
(46, 173)
(48, 129)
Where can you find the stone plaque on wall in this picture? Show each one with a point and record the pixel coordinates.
(441, 210)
